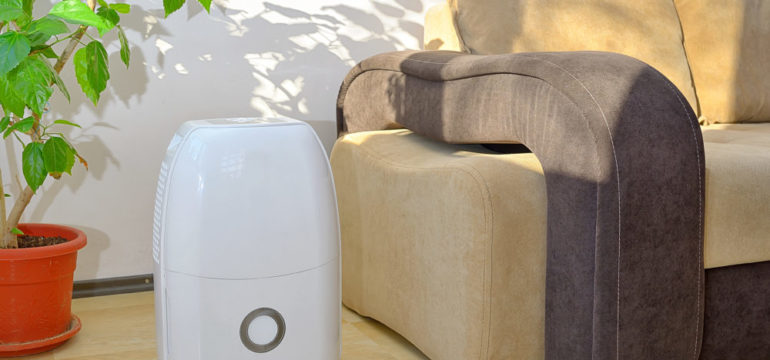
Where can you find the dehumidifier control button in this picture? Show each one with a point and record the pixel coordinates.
(262, 330)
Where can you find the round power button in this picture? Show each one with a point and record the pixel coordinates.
(262, 330)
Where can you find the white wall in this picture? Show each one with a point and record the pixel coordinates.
(248, 58)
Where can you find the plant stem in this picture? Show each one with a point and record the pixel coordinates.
(65, 55)
(74, 40)
(51, 44)
(20, 140)
(36, 128)
(15, 215)
(22, 201)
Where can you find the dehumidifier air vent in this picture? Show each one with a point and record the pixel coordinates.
(246, 244)
(156, 223)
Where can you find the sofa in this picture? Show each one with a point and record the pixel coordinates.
(564, 180)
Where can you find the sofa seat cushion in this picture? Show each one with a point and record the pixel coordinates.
(429, 229)
(737, 224)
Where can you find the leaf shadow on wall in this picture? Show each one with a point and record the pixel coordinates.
(297, 75)
(95, 152)
(125, 84)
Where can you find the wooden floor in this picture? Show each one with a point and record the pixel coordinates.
(122, 327)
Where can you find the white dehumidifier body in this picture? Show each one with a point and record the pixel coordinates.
(246, 244)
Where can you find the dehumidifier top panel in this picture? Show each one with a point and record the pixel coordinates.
(246, 199)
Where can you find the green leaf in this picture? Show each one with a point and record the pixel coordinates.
(39, 31)
(33, 165)
(125, 50)
(24, 125)
(11, 9)
(206, 5)
(7, 195)
(71, 160)
(98, 69)
(49, 53)
(172, 5)
(32, 80)
(17, 231)
(14, 47)
(91, 70)
(4, 122)
(121, 8)
(57, 80)
(27, 6)
(57, 157)
(9, 99)
(64, 122)
(48, 25)
(23, 21)
(103, 3)
(77, 12)
(60, 85)
(109, 14)
(81, 73)
(37, 39)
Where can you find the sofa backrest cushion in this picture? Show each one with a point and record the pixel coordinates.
(728, 46)
(441, 30)
(648, 30)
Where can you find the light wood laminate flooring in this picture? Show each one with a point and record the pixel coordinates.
(122, 327)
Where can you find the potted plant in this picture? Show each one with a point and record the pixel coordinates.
(37, 261)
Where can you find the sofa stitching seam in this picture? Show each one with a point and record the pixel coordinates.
(617, 179)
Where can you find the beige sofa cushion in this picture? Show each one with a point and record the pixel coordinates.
(737, 220)
(648, 30)
(443, 244)
(728, 46)
(440, 30)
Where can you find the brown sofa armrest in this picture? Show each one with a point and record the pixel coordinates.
(624, 166)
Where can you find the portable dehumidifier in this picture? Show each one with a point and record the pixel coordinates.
(246, 244)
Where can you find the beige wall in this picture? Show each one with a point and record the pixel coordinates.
(249, 58)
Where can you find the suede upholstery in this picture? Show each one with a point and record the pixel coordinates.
(728, 48)
(610, 210)
(648, 30)
(462, 276)
(481, 256)
(737, 320)
(737, 194)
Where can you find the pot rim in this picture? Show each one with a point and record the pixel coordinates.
(76, 240)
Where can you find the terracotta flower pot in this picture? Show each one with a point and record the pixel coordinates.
(36, 292)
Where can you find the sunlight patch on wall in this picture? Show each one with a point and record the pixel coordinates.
(180, 69)
(163, 46)
(158, 73)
